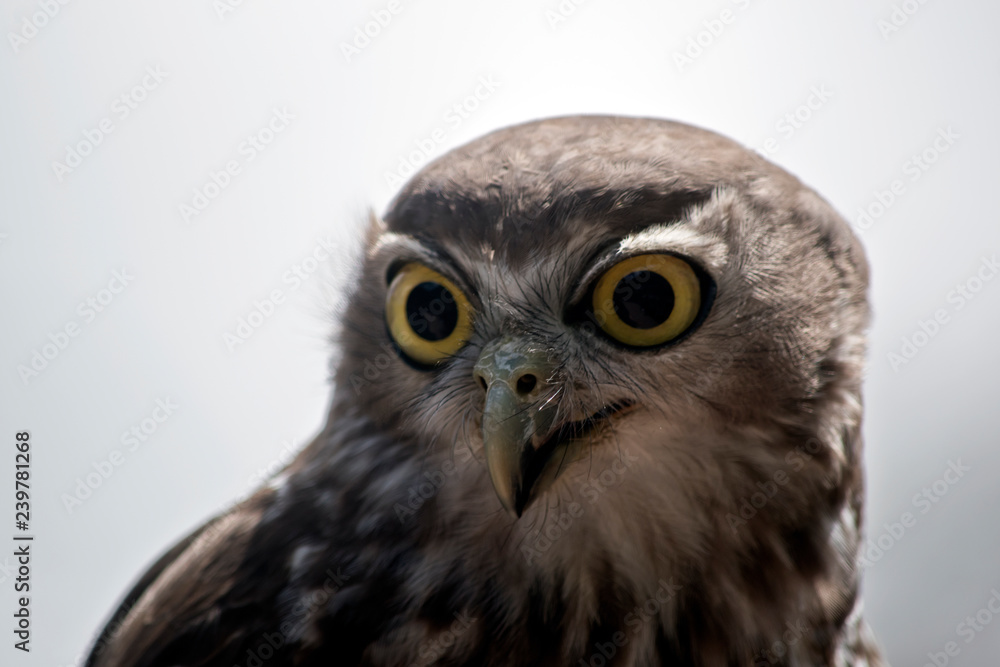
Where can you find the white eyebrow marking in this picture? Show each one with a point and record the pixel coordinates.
(709, 249)
(394, 240)
(660, 237)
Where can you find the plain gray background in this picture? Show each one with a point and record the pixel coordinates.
(844, 95)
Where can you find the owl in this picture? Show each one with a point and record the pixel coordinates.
(598, 402)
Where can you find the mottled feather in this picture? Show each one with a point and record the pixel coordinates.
(715, 521)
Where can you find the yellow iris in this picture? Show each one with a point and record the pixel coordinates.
(647, 300)
(428, 316)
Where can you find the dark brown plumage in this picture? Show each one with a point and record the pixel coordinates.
(506, 478)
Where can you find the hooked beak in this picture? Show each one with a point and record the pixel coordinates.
(517, 417)
(525, 448)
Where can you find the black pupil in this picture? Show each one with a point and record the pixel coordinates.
(643, 299)
(431, 311)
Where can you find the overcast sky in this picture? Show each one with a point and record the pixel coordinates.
(183, 184)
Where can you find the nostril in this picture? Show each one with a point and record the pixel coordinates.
(482, 382)
(526, 383)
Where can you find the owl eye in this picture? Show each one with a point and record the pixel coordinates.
(647, 300)
(428, 316)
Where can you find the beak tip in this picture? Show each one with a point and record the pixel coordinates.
(514, 505)
(510, 506)
(513, 513)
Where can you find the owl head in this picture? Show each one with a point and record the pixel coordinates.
(636, 316)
